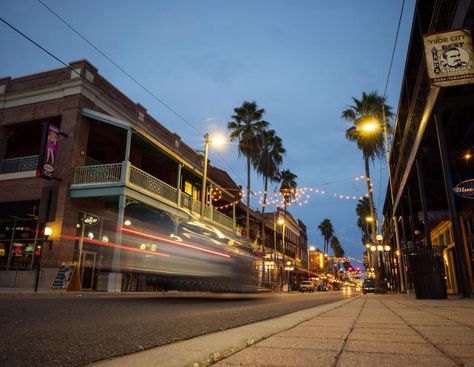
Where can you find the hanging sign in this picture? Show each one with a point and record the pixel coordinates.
(48, 152)
(449, 57)
(465, 189)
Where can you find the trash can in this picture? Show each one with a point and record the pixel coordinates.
(427, 271)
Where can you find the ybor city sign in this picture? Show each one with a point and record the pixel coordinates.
(465, 189)
(449, 57)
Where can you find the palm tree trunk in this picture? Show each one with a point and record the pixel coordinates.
(247, 222)
(265, 186)
(372, 223)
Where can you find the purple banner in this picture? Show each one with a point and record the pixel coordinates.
(49, 151)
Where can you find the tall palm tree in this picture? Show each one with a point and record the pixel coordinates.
(268, 163)
(245, 128)
(288, 186)
(269, 160)
(327, 230)
(363, 211)
(370, 106)
(336, 247)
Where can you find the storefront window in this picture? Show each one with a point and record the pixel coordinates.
(18, 246)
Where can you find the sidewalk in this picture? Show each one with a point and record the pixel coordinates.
(371, 330)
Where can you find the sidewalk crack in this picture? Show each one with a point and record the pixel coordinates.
(448, 355)
(338, 355)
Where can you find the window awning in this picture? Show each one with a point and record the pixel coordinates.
(106, 118)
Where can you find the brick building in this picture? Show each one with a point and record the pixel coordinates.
(120, 177)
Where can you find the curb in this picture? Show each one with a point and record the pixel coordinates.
(205, 350)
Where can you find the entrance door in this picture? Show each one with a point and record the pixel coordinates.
(88, 269)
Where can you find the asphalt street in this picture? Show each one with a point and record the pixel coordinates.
(44, 330)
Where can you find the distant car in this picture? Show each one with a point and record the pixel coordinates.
(322, 288)
(307, 286)
(368, 286)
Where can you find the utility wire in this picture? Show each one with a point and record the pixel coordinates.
(130, 76)
(120, 68)
(388, 78)
(394, 47)
(39, 46)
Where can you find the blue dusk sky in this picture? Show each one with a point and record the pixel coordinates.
(301, 61)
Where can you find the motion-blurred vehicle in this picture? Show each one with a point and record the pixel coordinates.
(306, 286)
(368, 286)
(175, 253)
(322, 288)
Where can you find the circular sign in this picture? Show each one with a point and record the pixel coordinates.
(465, 189)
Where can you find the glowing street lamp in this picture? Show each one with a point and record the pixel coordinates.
(216, 140)
(369, 125)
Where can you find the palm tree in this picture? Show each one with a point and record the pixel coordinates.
(336, 247)
(327, 230)
(269, 160)
(370, 106)
(363, 211)
(288, 186)
(268, 163)
(245, 128)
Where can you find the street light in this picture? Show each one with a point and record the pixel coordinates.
(367, 246)
(310, 249)
(281, 222)
(368, 125)
(216, 140)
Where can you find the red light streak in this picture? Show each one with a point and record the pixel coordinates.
(115, 245)
(182, 244)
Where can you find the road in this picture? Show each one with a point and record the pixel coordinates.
(44, 330)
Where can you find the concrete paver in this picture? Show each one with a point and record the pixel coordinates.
(382, 332)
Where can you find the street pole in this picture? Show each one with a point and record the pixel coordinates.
(204, 174)
(394, 219)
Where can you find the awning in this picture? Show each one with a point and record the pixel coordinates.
(106, 118)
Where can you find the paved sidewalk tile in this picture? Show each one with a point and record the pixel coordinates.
(386, 346)
(322, 343)
(284, 357)
(357, 359)
(305, 331)
(368, 335)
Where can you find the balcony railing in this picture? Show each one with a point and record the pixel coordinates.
(189, 203)
(101, 173)
(112, 173)
(151, 183)
(21, 164)
(223, 219)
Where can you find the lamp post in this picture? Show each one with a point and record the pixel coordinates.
(281, 222)
(367, 246)
(48, 231)
(216, 140)
(310, 249)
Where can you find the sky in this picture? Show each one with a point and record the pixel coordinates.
(301, 60)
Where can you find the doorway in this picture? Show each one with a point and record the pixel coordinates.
(88, 269)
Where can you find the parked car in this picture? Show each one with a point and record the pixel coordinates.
(322, 288)
(368, 286)
(307, 286)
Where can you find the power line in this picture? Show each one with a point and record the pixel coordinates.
(120, 68)
(394, 48)
(39, 46)
(130, 76)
